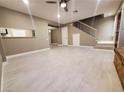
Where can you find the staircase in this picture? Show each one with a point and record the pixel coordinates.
(87, 26)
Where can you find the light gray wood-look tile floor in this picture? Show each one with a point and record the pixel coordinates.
(63, 69)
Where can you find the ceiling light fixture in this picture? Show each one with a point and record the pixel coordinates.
(26, 2)
(63, 5)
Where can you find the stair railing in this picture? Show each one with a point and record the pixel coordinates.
(86, 28)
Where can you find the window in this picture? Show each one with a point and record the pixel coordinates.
(11, 32)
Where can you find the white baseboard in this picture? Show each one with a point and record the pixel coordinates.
(82, 46)
(26, 53)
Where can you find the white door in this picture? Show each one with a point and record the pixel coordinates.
(65, 36)
(76, 39)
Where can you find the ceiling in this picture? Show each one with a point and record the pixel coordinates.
(86, 8)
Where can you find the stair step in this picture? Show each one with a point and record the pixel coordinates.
(105, 45)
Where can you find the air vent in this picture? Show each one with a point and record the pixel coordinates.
(51, 2)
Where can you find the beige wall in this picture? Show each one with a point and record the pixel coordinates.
(105, 29)
(56, 36)
(85, 39)
(12, 19)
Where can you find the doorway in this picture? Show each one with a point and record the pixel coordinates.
(54, 36)
(76, 39)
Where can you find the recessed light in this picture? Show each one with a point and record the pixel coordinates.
(49, 31)
(26, 2)
(58, 16)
